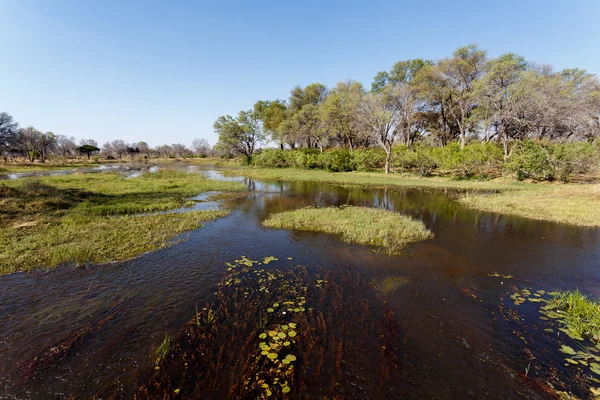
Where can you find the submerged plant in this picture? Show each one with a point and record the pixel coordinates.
(279, 332)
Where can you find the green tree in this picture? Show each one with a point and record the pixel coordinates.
(242, 134)
(340, 113)
(88, 150)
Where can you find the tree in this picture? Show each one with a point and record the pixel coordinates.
(381, 117)
(88, 150)
(180, 150)
(242, 134)
(119, 147)
(340, 113)
(458, 75)
(8, 131)
(44, 144)
(65, 146)
(143, 148)
(91, 142)
(400, 91)
(272, 114)
(201, 147)
(502, 99)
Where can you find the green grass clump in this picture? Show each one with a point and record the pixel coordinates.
(367, 226)
(578, 312)
(92, 218)
(163, 349)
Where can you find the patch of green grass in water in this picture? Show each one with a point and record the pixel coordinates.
(389, 231)
(579, 313)
(54, 220)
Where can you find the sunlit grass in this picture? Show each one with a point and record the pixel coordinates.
(580, 313)
(91, 218)
(571, 204)
(575, 204)
(387, 230)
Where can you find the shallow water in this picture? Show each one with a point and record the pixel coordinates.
(455, 345)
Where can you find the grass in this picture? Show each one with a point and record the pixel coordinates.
(579, 313)
(571, 204)
(92, 218)
(574, 204)
(367, 226)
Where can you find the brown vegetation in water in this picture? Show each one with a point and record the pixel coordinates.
(278, 333)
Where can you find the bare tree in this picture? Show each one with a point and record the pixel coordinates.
(201, 147)
(65, 146)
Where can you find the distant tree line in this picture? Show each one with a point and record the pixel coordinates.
(33, 145)
(460, 99)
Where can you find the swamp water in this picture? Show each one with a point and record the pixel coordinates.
(93, 332)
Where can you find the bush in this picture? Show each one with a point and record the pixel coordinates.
(368, 159)
(569, 159)
(274, 158)
(529, 159)
(308, 158)
(338, 160)
(477, 159)
(420, 159)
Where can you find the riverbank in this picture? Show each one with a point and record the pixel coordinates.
(575, 204)
(94, 218)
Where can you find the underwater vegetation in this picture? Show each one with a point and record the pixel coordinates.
(274, 332)
(387, 230)
(570, 320)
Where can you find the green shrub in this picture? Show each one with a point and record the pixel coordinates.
(569, 159)
(420, 159)
(338, 160)
(308, 158)
(274, 158)
(368, 159)
(529, 159)
(477, 159)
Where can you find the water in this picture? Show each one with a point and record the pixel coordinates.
(454, 345)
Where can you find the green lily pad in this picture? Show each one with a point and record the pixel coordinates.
(567, 350)
(292, 333)
(272, 356)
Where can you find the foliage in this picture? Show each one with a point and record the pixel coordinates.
(338, 160)
(368, 159)
(275, 158)
(308, 159)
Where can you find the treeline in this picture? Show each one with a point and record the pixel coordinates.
(30, 144)
(465, 98)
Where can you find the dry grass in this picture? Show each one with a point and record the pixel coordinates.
(571, 204)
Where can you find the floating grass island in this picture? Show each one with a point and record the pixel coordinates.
(389, 231)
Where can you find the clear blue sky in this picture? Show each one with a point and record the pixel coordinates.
(164, 71)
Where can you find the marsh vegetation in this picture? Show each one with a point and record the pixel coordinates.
(95, 218)
(386, 230)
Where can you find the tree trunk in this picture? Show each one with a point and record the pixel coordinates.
(387, 160)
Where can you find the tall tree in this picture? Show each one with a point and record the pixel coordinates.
(458, 75)
(340, 113)
(272, 114)
(201, 147)
(381, 118)
(66, 146)
(242, 134)
(8, 131)
(501, 97)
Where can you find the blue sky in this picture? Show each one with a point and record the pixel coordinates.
(164, 71)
